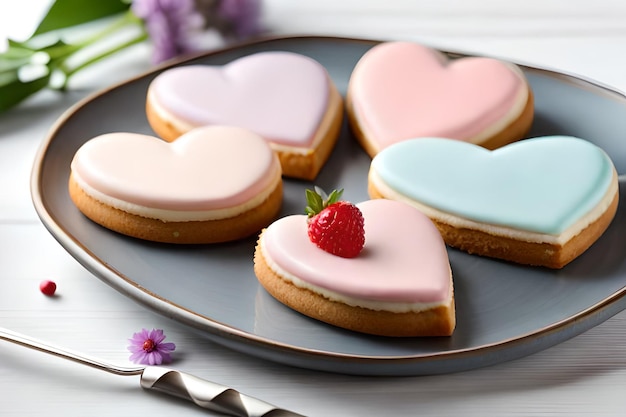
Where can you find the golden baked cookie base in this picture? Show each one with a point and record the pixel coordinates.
(514, 131)
(305, 166)
(528, 253)
(439, 321)
(192, 232)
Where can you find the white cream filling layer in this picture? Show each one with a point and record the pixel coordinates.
(178, 215)
(393, 307)
(334, 102)
(517, 234)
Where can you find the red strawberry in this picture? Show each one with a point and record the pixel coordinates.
(334, 226)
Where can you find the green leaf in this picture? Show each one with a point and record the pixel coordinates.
(18, 48)
(314, 202)
(332, 198)
(20, 54)
(59, 49)
(66, 13)
(55, 48)
(318, 200)
(13, 90)
(13, 58)
(12, 64)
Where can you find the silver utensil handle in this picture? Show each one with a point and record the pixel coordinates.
(208, 394)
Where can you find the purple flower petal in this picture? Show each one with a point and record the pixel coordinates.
(243, 16)
(156, 336)
(147, 347)
(170, 24)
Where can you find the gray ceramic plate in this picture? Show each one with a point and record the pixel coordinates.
(504, 311)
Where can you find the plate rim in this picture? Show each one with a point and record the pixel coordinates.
(241, 340)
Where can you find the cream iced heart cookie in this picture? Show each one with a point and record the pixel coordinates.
(214, 184)
(285, 97)
(540, 201)
(403, 90)
(400, 284)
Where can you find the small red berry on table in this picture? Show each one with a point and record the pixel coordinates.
(48, 287)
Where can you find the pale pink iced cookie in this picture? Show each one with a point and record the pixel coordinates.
(540, 201)
(287, 98)
(399, 285)
(403, 90)
(214, 184)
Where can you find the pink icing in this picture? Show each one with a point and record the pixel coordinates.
(282, 96)
(205, 169)
(403, 90)
(404, 258)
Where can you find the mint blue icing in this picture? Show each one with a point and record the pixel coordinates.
(541, 185)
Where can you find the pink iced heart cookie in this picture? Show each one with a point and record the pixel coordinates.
(403, 90)
(286, 98)
(214, 184)
(399, 285)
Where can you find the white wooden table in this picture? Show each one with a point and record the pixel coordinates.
(583, 376)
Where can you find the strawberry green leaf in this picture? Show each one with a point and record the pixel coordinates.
(334, 196)
(321, 192)
(318, 200)
(66, 13)
(314, 202)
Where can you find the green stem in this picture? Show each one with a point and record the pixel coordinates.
(125, 20)
(69, 72)
(59, 53)
(128, 19)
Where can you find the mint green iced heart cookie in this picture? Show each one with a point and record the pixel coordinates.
(542, 185)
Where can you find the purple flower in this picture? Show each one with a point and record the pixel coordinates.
(243, 16)
(171, 25)
(147, 347)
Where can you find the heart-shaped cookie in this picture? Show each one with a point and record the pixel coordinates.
(209, 174)
(287, 98)
(404, 259)
(542, 185)
(403, 270)
(206, 169)
(543, 190)
(278, 95)
(403, 90)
